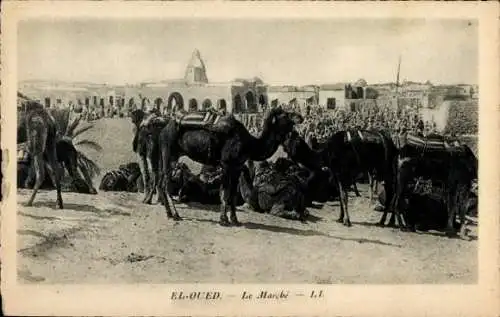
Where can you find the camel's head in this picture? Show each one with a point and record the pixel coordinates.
(137, 116)
(283, 121)
(292, 142)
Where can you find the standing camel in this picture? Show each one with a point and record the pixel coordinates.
(334, 155)
(41, 136)
(147, 130)
(223, 141)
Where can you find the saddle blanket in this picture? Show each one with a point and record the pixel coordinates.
(199, 118)
(427, 143)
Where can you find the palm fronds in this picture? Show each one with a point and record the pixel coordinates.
(81, 130)
(70, 131)
(85, 163)
(61, 117)
(90, 144)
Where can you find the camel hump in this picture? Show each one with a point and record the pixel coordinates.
(209, 120)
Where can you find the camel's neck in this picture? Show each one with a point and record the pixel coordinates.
(265, 146)
(308, 157)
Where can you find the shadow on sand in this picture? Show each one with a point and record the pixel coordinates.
(37, 217)
(104, 212)
(294, 231)
(216, 208)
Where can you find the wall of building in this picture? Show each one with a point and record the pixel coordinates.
(285, 97)
(339, 96)
(194, 94)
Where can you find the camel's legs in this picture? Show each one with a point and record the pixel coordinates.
(233, 189)
(228, 189)
(462, 209)
(55, 173)
(31, 174)
(163, 188)
(355, 188)
(39, 168)
(343, 197)
(452, 205)
(145, 179)
(153, 182)
(225, 200)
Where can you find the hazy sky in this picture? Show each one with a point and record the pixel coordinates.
(278, 51)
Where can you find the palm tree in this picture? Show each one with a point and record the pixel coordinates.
(69, 129)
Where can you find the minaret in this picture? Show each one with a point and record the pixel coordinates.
(196, 71)
(397, 75)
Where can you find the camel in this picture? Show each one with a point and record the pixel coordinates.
(202, 188)
(268, 189)
(451, 168)
(68, 158)
(335, 155)
(124, 179)
(41, 138)
(375, 154)
(225, 142)
(145, 144)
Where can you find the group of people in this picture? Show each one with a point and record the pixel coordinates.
(323, 123)
(319, 122)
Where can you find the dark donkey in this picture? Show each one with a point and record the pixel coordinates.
(453, 167)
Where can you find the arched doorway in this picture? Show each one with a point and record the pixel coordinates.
(251, 104)
(158, 103)
(193, 105)
(175, 100)
(207, 104)
(221, 105)
(237, 104)
(47, 102)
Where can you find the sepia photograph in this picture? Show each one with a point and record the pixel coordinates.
(214, 150)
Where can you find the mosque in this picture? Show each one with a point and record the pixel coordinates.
(194, 92)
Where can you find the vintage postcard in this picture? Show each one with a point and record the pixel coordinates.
(239, 158)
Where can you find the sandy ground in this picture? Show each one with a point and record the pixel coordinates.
(114, 238)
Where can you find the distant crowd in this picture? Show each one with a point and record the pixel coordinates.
(319, 121)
